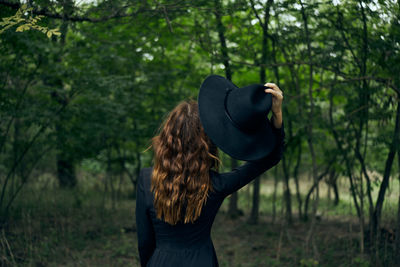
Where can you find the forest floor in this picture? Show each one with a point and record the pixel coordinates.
(85, 228)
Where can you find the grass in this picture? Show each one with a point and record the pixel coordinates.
(345, 207)
(82, 227)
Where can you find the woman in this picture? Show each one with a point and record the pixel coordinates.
(178, 199)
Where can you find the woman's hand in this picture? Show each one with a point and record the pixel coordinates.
(277, 98)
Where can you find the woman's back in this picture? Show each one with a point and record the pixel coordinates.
(178, 199)
(189, 244)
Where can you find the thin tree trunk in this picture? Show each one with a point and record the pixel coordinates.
(253, 219)
(16, 151)
(315, 186)
(24, 178)
(137, 170)
(296, 85)
(65, 161)
(286, 193)
(397, 242)
(367, 178)
(264, 51)
(3, 137)
(332, 183)
(336, 193)
(285, 161)
(233, 210)
(309, 129)
(24, 153)
(65, 171)
(221, 35)
(296, 180)
(388, 167)
(110, 176)
(274, 194)
(362, 217)
(342, 152)
(364, 95)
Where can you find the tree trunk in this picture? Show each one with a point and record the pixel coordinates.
(233, 210)
(397, 242)
(264, 51)
(222, 40)
(333, 185)
(343, 152)
(286, 193)
(364, 96)
(388, 167)
(256, 202)
(285, 164)
(307, 200)
(297, 91)
(65, 171)
(274, 194)
(16, 152)
(65, 164)
(137, 170)
(309, 130)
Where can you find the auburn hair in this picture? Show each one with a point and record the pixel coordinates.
(183, 156)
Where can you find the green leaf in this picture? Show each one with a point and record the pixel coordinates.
(7, 27)
(20, 28)
(49, 33)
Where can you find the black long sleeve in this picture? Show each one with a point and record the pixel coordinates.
(145, 231)
(223, 185)
(229, 182)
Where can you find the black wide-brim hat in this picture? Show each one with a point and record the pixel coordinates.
(236, 119)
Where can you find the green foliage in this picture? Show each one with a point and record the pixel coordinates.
(26, 23)
(308, 262)
(361, 261)
(96, 96)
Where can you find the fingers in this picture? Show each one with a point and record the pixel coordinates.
(277, 94)
(273, 86)
(274, 90)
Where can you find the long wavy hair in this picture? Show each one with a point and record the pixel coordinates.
(183, 156)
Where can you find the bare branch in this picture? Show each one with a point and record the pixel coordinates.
(256, 13)
(121, 13)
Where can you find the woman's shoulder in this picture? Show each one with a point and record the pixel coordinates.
(216, 180)
(146, 171)
(144, 178)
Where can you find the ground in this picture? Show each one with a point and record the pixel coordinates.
(83, 227)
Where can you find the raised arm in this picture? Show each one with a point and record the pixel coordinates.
(227, 183)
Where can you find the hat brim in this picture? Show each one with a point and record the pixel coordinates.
(248, 146)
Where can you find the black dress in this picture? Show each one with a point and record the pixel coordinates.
(189, 245)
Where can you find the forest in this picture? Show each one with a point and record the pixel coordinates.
(85, 85)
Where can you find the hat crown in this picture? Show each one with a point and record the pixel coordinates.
(248, 106)
(235, 118)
